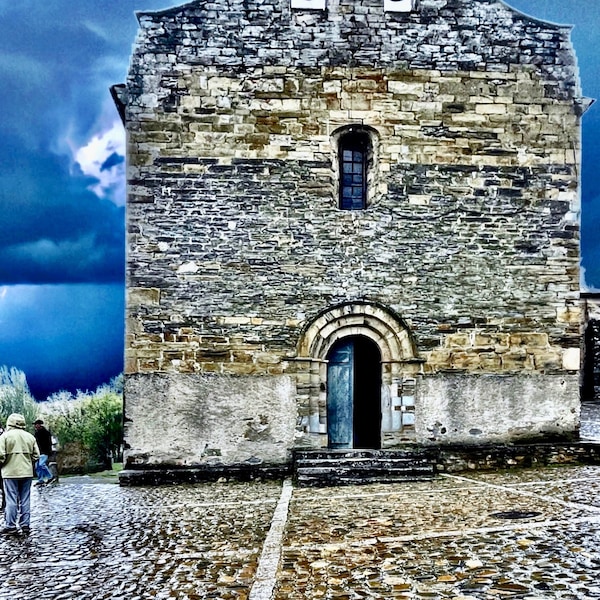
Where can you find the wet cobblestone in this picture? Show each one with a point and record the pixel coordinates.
(418, 540)
(104, 541)
(444, 540)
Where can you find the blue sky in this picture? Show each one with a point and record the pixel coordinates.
(62, 179)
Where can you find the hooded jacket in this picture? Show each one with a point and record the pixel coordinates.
(18, 449)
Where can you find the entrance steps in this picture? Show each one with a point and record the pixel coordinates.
(345, 467)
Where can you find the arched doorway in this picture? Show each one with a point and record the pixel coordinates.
(354, 393)
(393, 363)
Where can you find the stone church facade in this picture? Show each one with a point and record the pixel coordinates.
(351, 224)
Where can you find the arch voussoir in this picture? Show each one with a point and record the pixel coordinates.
(382, 326)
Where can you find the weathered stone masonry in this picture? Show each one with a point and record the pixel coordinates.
(243, 272)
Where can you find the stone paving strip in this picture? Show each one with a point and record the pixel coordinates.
(445, 538)
(266, 574)
(541, 496)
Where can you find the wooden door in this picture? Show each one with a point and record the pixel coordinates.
(340, 393)
(354, 394)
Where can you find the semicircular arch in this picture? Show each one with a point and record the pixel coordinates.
(370, 320)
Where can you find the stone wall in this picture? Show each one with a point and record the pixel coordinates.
(237, 244)
(454, 459)
(187, 420)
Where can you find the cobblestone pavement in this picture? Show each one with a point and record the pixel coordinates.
(454, 537)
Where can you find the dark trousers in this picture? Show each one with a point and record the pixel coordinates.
(17, 511)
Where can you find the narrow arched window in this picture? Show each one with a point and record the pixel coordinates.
(354, 148)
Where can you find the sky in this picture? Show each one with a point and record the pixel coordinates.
(62, 180)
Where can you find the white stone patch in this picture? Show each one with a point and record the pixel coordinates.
(309, 4)
(270, 85)
(571, 217)
(190, 267)
(332, 87)
(403, 87)
(571, 359)
(398, 5)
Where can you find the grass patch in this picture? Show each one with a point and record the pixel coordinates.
(114, 472)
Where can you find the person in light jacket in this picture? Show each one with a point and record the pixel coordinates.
(3, 506)
(18, 453)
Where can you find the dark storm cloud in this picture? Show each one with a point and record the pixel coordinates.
(590, 201)
(57, 62)
(112, 161)
(590, 241)
(75, 340)
(54, 228)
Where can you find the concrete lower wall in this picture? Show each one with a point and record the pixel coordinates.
(478, 409)
(183, 420)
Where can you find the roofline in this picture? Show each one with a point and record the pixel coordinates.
(536, 19)
(140, 13)
(162, 11)
(119, 96)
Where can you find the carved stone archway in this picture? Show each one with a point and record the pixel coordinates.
(399, 365)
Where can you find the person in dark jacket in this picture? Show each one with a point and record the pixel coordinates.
(44, 442)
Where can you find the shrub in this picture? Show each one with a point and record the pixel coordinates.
(91, 420)
(15, 396)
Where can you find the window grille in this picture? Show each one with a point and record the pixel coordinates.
(353, 171)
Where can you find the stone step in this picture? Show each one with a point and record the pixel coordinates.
(332, 480)
(358, 463)
(401, 453)
(342, 467)
(367, 468)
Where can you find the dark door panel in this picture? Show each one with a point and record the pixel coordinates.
(340, 381)
(367, 394)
